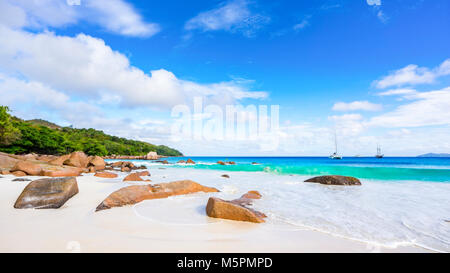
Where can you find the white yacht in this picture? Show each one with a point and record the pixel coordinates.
(335, 155)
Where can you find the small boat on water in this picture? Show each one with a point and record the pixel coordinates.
(335, 155)
(379, 154)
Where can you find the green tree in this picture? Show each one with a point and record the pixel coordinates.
(8, 133)
(43, 137)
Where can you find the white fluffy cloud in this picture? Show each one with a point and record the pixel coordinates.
(116, 16)
(413, 75)
(36, 98)
(427, 109)
(86, 66)
(356, 105)
(233, 16)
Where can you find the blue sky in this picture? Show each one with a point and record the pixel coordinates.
(374, 70)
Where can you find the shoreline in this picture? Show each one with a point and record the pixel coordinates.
(153, 225)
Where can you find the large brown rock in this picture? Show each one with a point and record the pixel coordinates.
(133, 177)
(97, 162)
(7, 161)
(125, 169)
(117, 164)
(47, 193)
(30, 157)
(137, 193)
(236, 210)
(27, 167)
(59, 161)
(61, 171)
(106, 175)
(335, 180)
(143, 173)
(18, 173)
(46, 158)
(77, 159)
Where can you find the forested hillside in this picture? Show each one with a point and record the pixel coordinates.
(39, 136)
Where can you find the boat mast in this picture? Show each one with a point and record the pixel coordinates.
(335, 143)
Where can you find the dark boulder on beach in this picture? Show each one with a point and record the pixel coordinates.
(335, 180)
(237, 210)
(225, 176)
(47, 193)
(138, 193)
(21, 180)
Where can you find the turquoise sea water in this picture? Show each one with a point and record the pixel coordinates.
(402, 200)
(388, 168)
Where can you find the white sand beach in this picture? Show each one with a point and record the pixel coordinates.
(176, 224)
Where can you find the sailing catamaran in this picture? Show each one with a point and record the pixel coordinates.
(335, 154)
(379, 154)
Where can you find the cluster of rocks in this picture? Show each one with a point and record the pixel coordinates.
(226, 163)
(149, 156)
(188, 161)
(73, 164)
(54, 192)
(123, 166)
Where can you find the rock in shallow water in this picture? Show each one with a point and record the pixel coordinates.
(137, 193)
(236, 210)
(47, 193)
(335, 180)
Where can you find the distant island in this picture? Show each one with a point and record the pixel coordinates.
(434, 155)
(19, 136)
